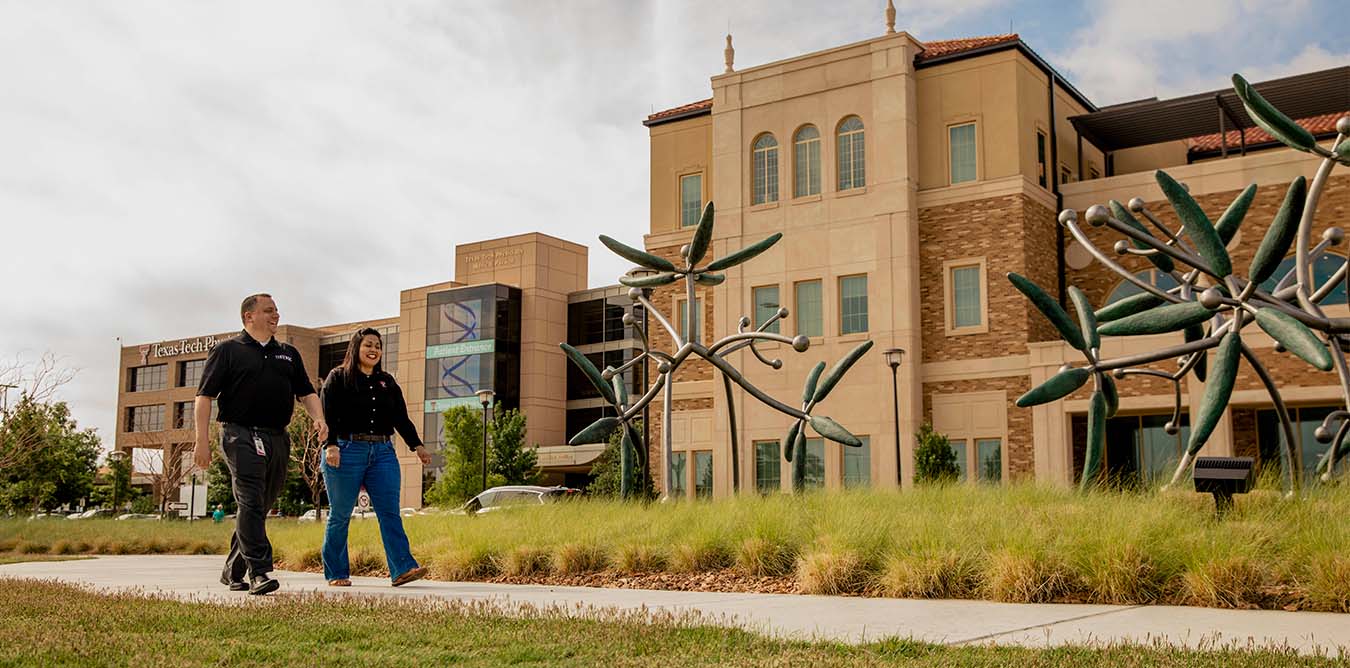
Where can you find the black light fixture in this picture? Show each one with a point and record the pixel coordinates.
(893, 357)
(1223, 477)
(485, 397)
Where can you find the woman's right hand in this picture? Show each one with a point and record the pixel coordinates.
(333, 455)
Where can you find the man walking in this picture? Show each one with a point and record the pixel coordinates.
(257, 380)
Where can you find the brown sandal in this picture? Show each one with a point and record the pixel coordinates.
(410, 575)
(340, 582)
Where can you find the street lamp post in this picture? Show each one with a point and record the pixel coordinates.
(192, 494)
(893, 358)
(485, 398)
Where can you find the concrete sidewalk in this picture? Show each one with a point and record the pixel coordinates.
(806, 617)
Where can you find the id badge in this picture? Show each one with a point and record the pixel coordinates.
(258, 446)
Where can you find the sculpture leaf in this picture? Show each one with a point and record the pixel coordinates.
(811, 379)
(1123, 214)
(620, 388)
(1050, 309)
(834, 431)
(636, 256)
(698, 247)
(1218, 390)
(1107, 386)
(591, 372)
(710, 280)
(790, 443)
(1128, 306)
(653, 281)
(1231, 220)
(1087, 320)
(1197, 224)
(1058, 386)
(1281, 232)
(1096, 441)
(1271, 119)
(745, 253)
(1295, 336)
(626, 450)
(1160, 320)
(598, 432)
(837, 372)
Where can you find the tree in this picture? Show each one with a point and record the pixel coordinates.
(306, 458)
(166, 467)
(508, 458)
(607, 471)
(119, 481)
(934, 459)
(462, 477)
(38, 383)
(49, 460)
(219, 491)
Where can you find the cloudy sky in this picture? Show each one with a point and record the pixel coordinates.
(159, 160)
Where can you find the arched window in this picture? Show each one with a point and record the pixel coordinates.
(850, 145)
(1322, 270)
(764, 170)
(1158, 279)
(806, 162)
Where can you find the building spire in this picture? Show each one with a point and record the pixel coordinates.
(890, 17)
(729, 54)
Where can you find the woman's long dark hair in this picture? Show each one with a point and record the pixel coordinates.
(349, 365)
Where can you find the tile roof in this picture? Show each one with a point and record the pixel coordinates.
(1318, 125)
(934, 49)
(682, 109)
(949, 47)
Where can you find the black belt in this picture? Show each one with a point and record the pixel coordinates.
(368, 438)
(265, 430)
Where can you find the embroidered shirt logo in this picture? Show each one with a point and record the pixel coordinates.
(284, 357)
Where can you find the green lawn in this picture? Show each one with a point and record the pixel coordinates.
(1021, 543)
(57, 625)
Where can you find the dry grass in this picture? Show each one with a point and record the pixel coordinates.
(641, 559)
(1026, 578)
(832, 572)
(524, 560)
(576, 558)
(763, 556)
(919, 575)
(1230, 582)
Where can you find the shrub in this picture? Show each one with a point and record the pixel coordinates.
(934, 460)
(832, 572)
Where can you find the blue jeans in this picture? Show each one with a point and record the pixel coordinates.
(375, 466)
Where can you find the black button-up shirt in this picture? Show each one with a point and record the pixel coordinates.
(256, 384)
(368, 405)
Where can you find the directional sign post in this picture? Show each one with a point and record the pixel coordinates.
(177, 505)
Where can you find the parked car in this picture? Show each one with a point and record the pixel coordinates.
(313, 515)
(92, 513)
(515, 496)
(138, 516)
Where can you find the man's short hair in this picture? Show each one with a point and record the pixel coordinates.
(250, 302)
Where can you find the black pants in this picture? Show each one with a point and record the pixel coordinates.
(257, 481)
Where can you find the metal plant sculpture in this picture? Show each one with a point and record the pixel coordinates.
(1211, 304)
(687, 344)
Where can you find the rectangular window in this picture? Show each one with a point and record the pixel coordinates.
(768, 467)
(814, 463)
(766, 306)
(1041, 172)
(858, 464)
(966, 307)
(807, 169)
(688, 329)
(678, 465)
(1093, 173)
(1065, 174)
(691, 199)
(145, 418)
(190, 372)
(148, 378)
(959, 449)
(183, 415)
(703, 474)
(853, 304)
(989, 459)
(961, 141)
(809, 312)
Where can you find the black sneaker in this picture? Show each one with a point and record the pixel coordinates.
(263, 585)
(234, 585)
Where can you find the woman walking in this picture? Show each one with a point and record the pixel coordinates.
(363, 407)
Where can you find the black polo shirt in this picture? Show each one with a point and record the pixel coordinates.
(256, 384)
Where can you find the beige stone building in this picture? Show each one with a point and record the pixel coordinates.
(908, 178)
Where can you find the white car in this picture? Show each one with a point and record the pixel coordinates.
(313, 515)
(137, 516)
(515, 496)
